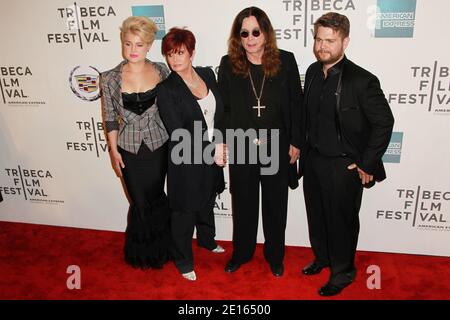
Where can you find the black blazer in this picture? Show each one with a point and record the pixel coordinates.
(189, 186)
(364, 119)
(237, 113)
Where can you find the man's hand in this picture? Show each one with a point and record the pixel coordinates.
(365, 178)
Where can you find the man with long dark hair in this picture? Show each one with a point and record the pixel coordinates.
(261, 91)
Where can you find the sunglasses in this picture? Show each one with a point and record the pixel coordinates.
(256, 33)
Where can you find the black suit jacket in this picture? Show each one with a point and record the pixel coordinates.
(189, 186)
(364, 119)
(237, 113)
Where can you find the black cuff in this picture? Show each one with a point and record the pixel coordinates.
(111, 126)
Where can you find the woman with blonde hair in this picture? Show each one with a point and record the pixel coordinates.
(137, 143)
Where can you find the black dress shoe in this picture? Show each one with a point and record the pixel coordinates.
(232, 266)
(329, 290)
(312, 268)
(277, 270)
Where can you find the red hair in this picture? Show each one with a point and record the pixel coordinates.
(175, 39)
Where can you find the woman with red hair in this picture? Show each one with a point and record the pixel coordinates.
(190, 106)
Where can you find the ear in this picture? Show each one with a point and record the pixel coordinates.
(192, 55)
(346, 42)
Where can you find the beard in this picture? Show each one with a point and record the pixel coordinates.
(327, 57)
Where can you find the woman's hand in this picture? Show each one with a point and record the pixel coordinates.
(221, 154)
(117, 163)
(294, 153)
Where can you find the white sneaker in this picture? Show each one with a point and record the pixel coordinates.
(191, 276)
(218, 249)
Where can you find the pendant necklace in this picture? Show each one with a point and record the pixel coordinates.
(258, 98)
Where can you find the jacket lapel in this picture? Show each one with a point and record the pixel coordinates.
(212, 85)
(309, 83)
(189, 99)
(116, 84)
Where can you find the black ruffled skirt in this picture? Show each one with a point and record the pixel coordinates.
(147, 237)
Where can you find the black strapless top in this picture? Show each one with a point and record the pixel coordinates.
(139, 102)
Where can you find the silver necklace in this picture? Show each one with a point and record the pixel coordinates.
(194, 84)
(258, 98)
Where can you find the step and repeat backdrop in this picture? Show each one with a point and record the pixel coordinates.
(54, 164)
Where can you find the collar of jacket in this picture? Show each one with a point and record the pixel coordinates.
(200, 73)
(337, 68)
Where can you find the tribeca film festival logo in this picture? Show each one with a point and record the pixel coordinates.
(81, 24)
(394, 150)
(432, 90)
(154, 13)
(91, 140)
(221, 206)
(305, 12)
(13, 82)
(420, 208)
(29, 184)
(84, 82)
(394, 19)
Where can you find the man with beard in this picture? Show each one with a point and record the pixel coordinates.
(347, 125)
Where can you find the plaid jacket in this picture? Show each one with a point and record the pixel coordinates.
(133, 128)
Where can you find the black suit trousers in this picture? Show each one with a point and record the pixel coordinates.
(333, 196)
(183, 223)
(245, 183)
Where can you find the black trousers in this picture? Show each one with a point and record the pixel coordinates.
(246, 181)
(183, 223)
(333, 196)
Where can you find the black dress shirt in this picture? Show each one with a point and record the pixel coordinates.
(322, 112)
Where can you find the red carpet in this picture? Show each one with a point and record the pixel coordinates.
(34, 260)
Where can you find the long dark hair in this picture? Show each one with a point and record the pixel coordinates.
(270, 59)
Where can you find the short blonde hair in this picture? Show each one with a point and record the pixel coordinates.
(141, 26)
